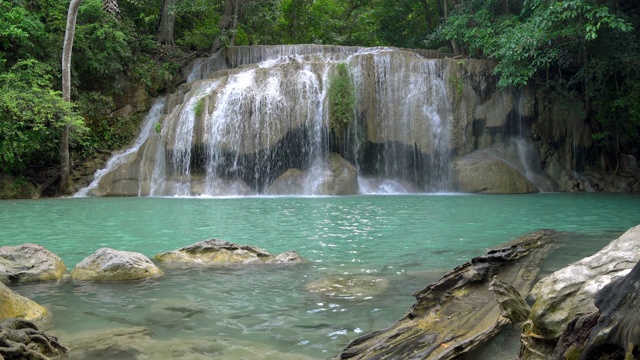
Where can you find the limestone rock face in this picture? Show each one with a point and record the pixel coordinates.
(114, 265)
(478, 173)
(13, 305)
(358, 287)
(29, 263)
(220, 252)
(21, 339)
(571, 290)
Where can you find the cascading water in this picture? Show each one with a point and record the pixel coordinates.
(236, 130)
(148, 125)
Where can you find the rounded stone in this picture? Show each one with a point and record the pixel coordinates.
(13, 305)
(29, 263)
(114, 265)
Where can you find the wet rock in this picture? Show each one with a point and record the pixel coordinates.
(483, 174)
(219, 252)
(358, 287)
(571, 290)
(13, 188)
(457, 313)
(338, 177)
(512, 305)
(21, 339)
(13, 305)
(114, 265)
(611, 332)
(29, 263)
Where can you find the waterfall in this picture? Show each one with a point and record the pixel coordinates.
(248, 116)
(118, 159)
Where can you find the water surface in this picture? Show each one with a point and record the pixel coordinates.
(410, 240)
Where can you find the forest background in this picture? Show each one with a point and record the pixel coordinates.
(586, 49)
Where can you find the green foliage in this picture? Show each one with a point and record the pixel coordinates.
(31, 117)
(197, 23)
(158, 128)
(198, 108)
(342, 100)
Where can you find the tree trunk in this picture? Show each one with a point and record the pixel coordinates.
(66, 184)
(227, 25)
(167, 23)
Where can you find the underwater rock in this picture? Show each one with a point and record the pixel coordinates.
(114, 265)
(571, 290)
(13, 305)
(358, 287)
(139, 343)
(220, 252)
(21, 339)
(458, 312)
(29, 263)
(611, 332)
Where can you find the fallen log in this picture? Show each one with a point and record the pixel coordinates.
(457, 313)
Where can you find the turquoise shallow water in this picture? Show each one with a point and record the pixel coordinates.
(409, 240)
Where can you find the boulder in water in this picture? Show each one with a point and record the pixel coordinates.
(220, 252)
(571, 290)
(29, 263)
(457, 313)
(114, 265)
(483, 174)
(21, 339)
(13, 305)
(338, 177)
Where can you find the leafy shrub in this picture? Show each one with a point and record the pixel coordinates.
(342, 100)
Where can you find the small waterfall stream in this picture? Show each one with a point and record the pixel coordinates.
(250, 116)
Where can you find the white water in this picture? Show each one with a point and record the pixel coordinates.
(147, 129)
(270, 114)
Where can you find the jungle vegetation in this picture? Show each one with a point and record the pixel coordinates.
(588, 49)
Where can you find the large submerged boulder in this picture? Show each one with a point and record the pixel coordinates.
(13, 305)
(337, 177)
(457, 313)
(29, 263)
(484, 174)
(571, 290)
(114, 265)
(21, 339)
(220, 252)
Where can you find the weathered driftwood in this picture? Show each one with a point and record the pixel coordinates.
(512, 305)
(21, 339)
(457, 313)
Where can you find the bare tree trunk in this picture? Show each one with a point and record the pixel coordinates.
(167, 23)
(66, 184)
(227, 25)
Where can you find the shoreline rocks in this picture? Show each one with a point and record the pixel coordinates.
(114, 265)
(561, 296)
(13, 305)
(457, 313)
(29, 263)
(21, 339)
(221, 252)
